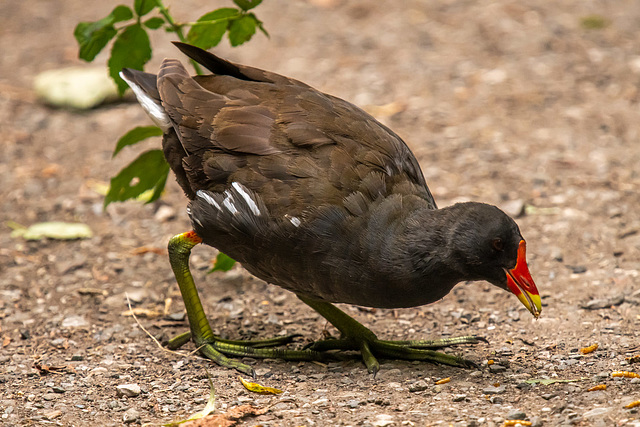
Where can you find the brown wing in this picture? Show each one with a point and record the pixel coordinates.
(291, 145)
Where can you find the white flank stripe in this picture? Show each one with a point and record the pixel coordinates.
(295, 221)
(228, 203)
(207, 198)
(150, 105)
(247, 198)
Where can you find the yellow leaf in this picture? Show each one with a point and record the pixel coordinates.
(257, 388)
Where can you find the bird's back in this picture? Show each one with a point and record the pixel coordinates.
(278, 171)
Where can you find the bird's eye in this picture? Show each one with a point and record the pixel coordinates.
(498, 244)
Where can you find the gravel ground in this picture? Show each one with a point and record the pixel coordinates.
(533, 108)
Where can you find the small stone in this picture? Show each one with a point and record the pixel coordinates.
(74, 322)
(495, 390)
(383, 420)
(516, 415)
(53, 414)
(548, 396)
(420, 385)
(128, 390)
(77, 358)
(165, 213)
(177, 317)
(497, 369)
(58, 390)
(597, 304)
(513, 208)
(49, 396)
(353, 403)
(496, 400)
(596, 412)
(459, 397)
(536, 422)
(131, 416)
(577, 269)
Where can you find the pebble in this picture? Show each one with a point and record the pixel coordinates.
(497, 369)
(165, 213)
(577, 269)
(354, 403)
(495, 390)
(513, 208)
(53, 414)
(596, 412)
(383, 420)
(131, 416)
(74, 321)
(420, 385)
(496, 400)
(49, 396)
(459, 397)
(516, 415)
(536, 422)
(128, 390)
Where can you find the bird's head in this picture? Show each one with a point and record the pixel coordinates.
(489, 244)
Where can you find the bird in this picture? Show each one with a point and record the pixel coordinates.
(311, 193)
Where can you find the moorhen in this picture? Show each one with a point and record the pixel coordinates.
(312, 194)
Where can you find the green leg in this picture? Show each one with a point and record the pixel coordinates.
(211, 346)
(357, 337)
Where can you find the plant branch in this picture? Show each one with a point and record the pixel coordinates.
(177, 29)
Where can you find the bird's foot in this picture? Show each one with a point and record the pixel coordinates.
(357, 337)
(220, 350)
(372, 348)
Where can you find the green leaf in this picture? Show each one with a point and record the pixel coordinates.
(148, 171)
(136, 135)
(131, 49)
(92, 37)
(222, 263)
(241, 30)
(211, 27)
(121, 13)
(261, 27)
(154, 23)
(247, 4)
(142, 7)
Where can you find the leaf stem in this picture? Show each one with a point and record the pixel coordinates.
(177, 29)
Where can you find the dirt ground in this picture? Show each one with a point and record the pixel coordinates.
(527, 107)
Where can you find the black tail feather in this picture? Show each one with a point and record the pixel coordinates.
(214, 64)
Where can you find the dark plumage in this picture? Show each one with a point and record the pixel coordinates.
(311, 193)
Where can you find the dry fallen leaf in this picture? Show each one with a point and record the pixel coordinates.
(227, 419)
(142, 312)
(257, 388)
(146, 249)
(6, 340)
(52, 230)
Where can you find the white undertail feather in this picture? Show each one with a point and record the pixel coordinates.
(207, 198)
(247, 198)
(151, 106)
(228, 203)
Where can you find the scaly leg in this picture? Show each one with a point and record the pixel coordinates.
(211, 346)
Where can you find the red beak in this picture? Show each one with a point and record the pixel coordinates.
(522, 285)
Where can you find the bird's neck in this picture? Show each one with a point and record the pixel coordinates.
(433, 241)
